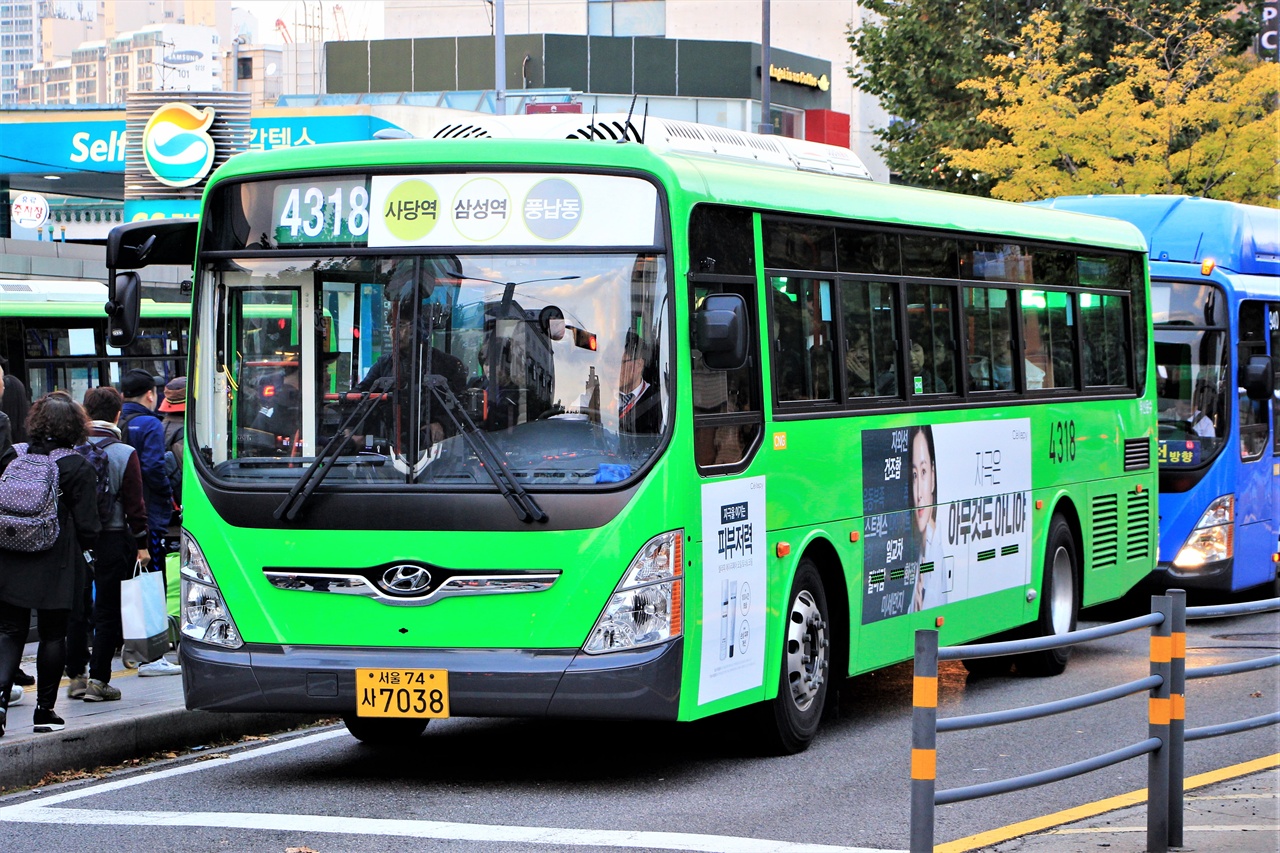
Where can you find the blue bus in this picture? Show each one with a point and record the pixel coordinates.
(1215, 293)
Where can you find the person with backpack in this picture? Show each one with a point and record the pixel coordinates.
(140, 426)
(122, 543)
(48, 520)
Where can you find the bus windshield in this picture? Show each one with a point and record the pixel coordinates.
(1192, 352)
(397, 364)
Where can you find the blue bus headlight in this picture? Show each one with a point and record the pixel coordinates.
(204, 612)
(1213, 538)
(646, 606)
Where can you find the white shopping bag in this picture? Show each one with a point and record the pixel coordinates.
(142, 614)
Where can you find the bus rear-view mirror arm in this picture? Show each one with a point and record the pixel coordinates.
(1259, 378)
(720, 330)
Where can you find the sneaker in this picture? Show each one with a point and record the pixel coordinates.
(75, 690)
(4, 716)
(100, 691)
(160, 667)
(45, 720)
(21, 679)
(15, 695)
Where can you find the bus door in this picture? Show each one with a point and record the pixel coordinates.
(1257, 498)
(1273, 326)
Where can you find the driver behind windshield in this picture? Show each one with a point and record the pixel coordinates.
(410, 324)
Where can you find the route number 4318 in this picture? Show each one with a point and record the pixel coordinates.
(329, 212)
(1062, 441)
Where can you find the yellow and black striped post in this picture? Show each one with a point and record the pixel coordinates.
(1158, 716)
(1177, 713)
(924, 741)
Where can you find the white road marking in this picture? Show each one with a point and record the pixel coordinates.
(45, 810)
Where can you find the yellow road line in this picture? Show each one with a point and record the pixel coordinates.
(1088, 810)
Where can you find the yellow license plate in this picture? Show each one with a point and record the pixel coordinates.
(420, 693)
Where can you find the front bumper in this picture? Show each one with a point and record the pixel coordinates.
(1209, 576)
(637, 685)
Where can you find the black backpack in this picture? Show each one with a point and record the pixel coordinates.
(96, 453)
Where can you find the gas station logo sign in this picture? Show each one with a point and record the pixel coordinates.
(177, 146)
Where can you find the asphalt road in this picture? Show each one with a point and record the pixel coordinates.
(522, 785)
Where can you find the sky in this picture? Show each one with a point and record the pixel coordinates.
(364, 17)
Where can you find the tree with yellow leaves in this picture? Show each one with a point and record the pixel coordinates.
(1185, 116)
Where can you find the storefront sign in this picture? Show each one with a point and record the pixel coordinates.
(800, 78)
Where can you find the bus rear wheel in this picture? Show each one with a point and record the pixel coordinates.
(791, 719)
(1059, 601)
(384, 732)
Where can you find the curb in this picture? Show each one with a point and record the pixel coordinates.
(24, 762)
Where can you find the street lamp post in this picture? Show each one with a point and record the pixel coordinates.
(766, 121)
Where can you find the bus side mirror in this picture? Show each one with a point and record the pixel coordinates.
(720, 331)
(123, 309)
(1259, 378)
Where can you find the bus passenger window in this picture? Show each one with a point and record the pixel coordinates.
(930, 310)
(1105, 354)
(870, 346)
(802, 352)
(1048, 326)
(987, 320)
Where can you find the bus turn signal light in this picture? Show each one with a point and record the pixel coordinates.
(783, 549)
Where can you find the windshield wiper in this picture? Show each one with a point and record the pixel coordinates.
(315, 473)
(521, 502)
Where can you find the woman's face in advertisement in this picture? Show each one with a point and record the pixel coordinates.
(922, 481)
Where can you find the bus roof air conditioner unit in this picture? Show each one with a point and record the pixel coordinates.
(667, 135)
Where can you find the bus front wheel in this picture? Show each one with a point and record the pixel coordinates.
(791, 719)
(1059, 601)
(384, 732)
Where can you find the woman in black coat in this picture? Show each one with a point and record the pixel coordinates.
(47, 581)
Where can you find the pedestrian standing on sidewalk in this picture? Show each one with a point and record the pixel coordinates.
(141, 427)
(173, 409)
(122, 544)
(48, 581)
(16, 402)
(6, 450)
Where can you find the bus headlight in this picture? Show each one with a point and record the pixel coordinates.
(646, 606)
(1213, 538)
(204, 612)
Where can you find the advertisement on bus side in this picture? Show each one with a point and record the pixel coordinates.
(733, 588)
(947, 514)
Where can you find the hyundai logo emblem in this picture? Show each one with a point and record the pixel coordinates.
(405, 580)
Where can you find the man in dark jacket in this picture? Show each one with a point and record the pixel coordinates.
(122, 543)
(141, 427)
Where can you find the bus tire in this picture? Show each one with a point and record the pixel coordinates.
(384, 732)
(1059, 601)
(791, 719)
(988, 667)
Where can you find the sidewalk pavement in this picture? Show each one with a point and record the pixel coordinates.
(1239, 814)
(151, 716)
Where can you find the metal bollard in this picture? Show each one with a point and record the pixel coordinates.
(924, 741)
(1177, 714)
(1158, 713)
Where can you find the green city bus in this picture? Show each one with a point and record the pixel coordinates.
(637, 423)
(54, 334)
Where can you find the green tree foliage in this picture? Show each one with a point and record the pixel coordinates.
(914, 54)
(1185, 116)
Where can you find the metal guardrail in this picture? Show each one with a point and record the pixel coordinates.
(1166, 715)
